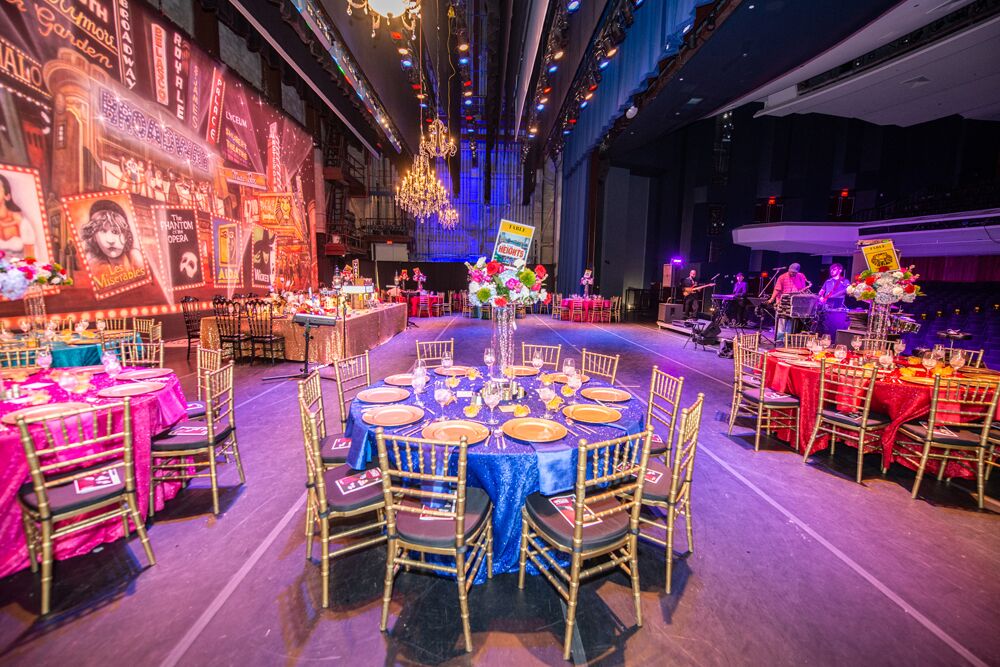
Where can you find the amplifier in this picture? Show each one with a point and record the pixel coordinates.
(670, 311)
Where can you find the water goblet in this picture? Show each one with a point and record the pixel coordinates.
(899, 346)
(44, 359)
(569, 367)
(840, 353)
(418, 383)
(491, 397)
(24, 324)
(489, 358)
(825, 341)
(442, 395)
(885, 360)
(113, 368)
(928, 361)
(938, 352)
(446, 360)
(957, 360)
(67, 381)
(101, 325)
(856, 343)
(574, 382)
(537, 361)
(546, 394)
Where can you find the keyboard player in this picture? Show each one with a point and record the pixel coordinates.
(741, 302)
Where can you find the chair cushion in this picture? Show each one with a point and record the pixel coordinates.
(440, 531)
(948, 435)
(348, 489)
(771, 398)
(875, 419)
(195, 409)
(558, 527)
(657, 445)
(187, 436)
(751, 380)
(657, 486)
(78, 494)
(334, 448)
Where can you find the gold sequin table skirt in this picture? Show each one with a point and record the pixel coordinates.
(365, 330)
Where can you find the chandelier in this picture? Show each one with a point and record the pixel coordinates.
(437, 142)
(420, 193)
(448, 217)
(407, 11)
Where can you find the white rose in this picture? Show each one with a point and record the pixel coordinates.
(897, 290)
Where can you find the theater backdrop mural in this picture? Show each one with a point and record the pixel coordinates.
(141, 164)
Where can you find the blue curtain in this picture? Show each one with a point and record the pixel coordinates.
(656, 33)
(573, 229)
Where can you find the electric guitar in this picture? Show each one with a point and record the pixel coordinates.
(691, 290)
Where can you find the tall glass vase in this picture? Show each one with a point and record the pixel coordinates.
(503, 335)
(878, 321)
(34, 306)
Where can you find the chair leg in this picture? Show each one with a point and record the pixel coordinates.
(133, 507)
(125, 530)
(239, 461)
(980, 478)
(29, 534)
(324, 563)
(151, 510)
(812, 440)
(633, 567)
(687, 523)
(732, 413)
(489, 550)
(46, 566)
(310, 524)
(524, 551)
(390, 570)
(861, 455)
(213, 475)
(463, 600)
(671, 521)
(574, 594)
(944, 464)
(760, 424)
(921, 469)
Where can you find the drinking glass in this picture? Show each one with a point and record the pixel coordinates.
(546, 394)
(938, 352)
(67, 381)
(418, 383)
(489, 358)
(569, 367)
(899, 346)
(825, 341)
(442, 394)
(44, 359)
(856, 343)
(101, 325)
(491, 397)
(24, 324)
(885, 360)
(113, 368)
(537, 361)
(957, 359)
(574, 382)
(446, 360)
(928, 361)
(80, 328)
(840, 353)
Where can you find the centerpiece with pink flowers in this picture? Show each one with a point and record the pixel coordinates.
(882, 289)
(26, 279)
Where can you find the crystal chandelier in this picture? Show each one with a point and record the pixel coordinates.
(420, 193)
(448, 217)
(407, 11)
(437, 142)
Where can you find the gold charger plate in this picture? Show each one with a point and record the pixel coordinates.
(92, 341)
(393, 415)
(451, 372)
(917, 380)
(803, 363)
(607, 394)
(453, 430)
(50, 410)
(86, 369)
(786, 354)
(561, 377)
(383, 395)
(145, 373)
(592, 414)
(533, 429)
(524, 371)
(133, 389)
(400, 380)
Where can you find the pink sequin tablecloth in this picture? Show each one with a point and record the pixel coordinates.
(151, 413)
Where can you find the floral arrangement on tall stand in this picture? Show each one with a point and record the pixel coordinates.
(587, 280)
(420, 278)
(403, 277)
(882, 289)
(504, 288)
(26, 279)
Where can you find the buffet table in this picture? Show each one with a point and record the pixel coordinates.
(508, 470)
(151, 413)
(365, 330)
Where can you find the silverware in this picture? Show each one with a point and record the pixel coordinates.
(585, 429)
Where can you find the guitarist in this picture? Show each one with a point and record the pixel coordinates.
(692, 297)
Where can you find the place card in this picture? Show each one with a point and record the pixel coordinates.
(94, 483)
(565, 506)
(940, 430)
(507, 408)
(340, 443)
(465, 394)
(188, 431)
(426, 512)
(362, 480)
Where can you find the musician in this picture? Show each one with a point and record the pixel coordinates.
(740, 300)
(834, 290)
(691, 298)
(790, 282)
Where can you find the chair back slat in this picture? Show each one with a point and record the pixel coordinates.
(963, 403)
(431, 352)
(664, 401)
(134, 352)
(550, 354)
(601, 365)
(260, 318)
(682, 463)
(219, 408)
(797, 339)
(353, 375)
(19, 355)
(846, 389)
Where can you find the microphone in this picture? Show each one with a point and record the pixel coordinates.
(780, 268)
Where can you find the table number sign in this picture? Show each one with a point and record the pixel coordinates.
(362, 480)
(565, 507)
(94, 483)
(513, 242)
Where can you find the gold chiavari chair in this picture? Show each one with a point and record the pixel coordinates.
(973, 358)
(549, 353)
(67, 323)
(557, 309)
(423, 306)
(19, 356)
(875, 346)
(112, 340)
(353, 375)
(600, 365)
(80, 462)
(771, 410)
(616, 309)
(208, 361)
(452, 520)
(747, 341)
(136, 353)
(797, 339)
(576, 311)
(144, 327)
(187, 446)
(668, 486)
(444, 306)
(661, 411)
(600, 311)
(431, 352)
(466, 306)
(601, 518)
(116, 323)
(844, 410)
(956, 431)
(337, 494)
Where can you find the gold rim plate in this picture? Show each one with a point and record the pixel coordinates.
(145, 374)
(524, 371)
(50, 410)
(451, 372)
(453, 430)
(591, 414)
(532, 429)
(133, 389)
(400, 380)
(393, 415)
(606, 394)
(561, 378)
(918, 380)
(383, 395)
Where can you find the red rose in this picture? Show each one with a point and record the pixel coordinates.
(883, 269)
(500, 301)
(537, 287)
(29, 260)
(62, 272)
(548, 298)
(540, 272)
(909, 289)
(493, 268)
(870, 280)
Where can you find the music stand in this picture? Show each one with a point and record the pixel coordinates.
(303, 373)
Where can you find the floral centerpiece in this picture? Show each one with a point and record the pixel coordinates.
(419, 277)
(17, 275)
(403, 277)
(882, 289)
(587, 280)
(504, 288)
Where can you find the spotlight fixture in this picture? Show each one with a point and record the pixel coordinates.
(573, 5)
(403, 50)
(612, 51)
(583, 104)
(464, 60)
(468, 102)
(588, 96)
(463, 47)
(604, 63)
(553, 68)
(558, 54)
(632, 111)
(539, 106)
(406, 62)
(546, 90)
(544, 100)
(533, 130)
(467, 93)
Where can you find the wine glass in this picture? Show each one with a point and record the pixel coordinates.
(885, 360)
(957, 359)
(101, 325)
(418, 383)
(569, 367)
(840, 353)
(442, 394)
(537, 361)
(67, 381)
(546, 394)
(491, 397)
(24, 324)
(825, 341)
(856, 343)
(44, 359)
(899, 346)
(938, 352)
(489, 358)
(574, 382)
(80, 327)
(446, 360)
(928, 361)
(113, 368)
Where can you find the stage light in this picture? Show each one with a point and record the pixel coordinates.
(468, 93)
(463, 47)
(844, 193)
(771, 201)
(468, 103)
(553, 68)
(612, 51)
(464, 60)
(406, 62)
(604, 63)
(588, 96)
(532, 130)
(558, 55)
(544, 100)
(403, 50)
(573, 6)
(676, 260)
(539, 106)
(565, 132)
(583, 104)
(467, 83)
(546, 90)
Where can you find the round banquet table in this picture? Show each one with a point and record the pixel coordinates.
(901, 401)
(151, 414)
(507, 474)
(74, 352)
(432, 300)
(586, 305)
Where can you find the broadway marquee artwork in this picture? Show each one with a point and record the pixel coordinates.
(106, 96)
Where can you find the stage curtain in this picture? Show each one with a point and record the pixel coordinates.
(573, 229)
(984, 268)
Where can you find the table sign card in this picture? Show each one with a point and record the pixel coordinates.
(93, 483)
(359, 481)
(427, 512)
(940, 430)
(565, 507)
(341, 443)
(881, 255)
(652, 476)
(513, 242)
(185, 430)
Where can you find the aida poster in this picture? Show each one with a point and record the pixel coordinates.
(103, 96)
(228, 239)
